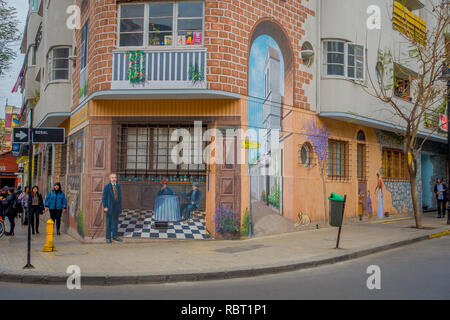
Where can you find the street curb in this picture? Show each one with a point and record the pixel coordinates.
(106, 280)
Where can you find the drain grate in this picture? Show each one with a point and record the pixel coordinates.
(241, 248)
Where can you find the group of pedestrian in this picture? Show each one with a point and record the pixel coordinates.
(31, 206)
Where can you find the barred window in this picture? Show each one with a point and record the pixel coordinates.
(60, 159)
(394, 164)
(148, 149)
(337, 159)
(35, 166)
(49, 160)
(361, 161)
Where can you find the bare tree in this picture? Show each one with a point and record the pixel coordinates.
(425, 90)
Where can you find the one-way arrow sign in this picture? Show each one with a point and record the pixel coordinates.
(21, 135)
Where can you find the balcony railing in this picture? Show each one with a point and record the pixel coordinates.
(164, 69)
(409, 24)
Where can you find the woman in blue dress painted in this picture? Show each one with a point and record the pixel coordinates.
(165, 190)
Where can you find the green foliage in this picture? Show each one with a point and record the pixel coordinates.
(263, 196)
(245, 223)
(37, 96)
(195, 74)
(275, 195)
(82, 92)
(80, 223)
(8, 34)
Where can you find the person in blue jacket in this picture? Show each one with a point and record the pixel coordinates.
(165, 190)
(112, 204)
(56, 202)
(193, 199)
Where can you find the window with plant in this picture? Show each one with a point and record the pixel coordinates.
(178, 23)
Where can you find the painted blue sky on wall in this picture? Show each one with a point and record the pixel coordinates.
(257, 59)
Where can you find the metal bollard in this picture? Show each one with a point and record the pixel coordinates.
(49, 246)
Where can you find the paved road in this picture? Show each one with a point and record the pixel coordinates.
(418, 271)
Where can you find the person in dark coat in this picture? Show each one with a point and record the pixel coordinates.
(112, 204)
(441, 192)
(3, 195)
(193, 199)
(9, 210)
(36, 208)
(57, 204)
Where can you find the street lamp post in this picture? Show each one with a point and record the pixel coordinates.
(448, 137)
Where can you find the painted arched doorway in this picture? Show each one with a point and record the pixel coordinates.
(271, 95)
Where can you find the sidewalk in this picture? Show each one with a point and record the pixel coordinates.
(190, 260)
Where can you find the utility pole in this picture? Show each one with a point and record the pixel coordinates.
(30, 166)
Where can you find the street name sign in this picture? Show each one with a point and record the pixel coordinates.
(21, 135)
(49, 135)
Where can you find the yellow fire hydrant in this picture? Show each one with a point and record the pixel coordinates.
(49, 246)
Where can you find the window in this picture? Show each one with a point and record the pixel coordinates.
(361, 161)
(34, 5)
(132, 25)
(394, 164)
(403, 88)
(305, 154)
(148, 149)
(58, 64)
(60, 159)
(32, 56)
(163, 23)
(49, 161)
(355, 68)
(35, 166)
(160, 24)
(334, 58)
(84, 45)
(337, 159)
(343, 59)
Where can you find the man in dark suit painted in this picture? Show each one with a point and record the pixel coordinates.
(112, 204)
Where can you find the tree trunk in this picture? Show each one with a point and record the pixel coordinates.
(415, 201)
(324, 198)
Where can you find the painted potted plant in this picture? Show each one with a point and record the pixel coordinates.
(227, 223)
(195, 74)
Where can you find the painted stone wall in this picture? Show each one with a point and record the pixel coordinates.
(400, 190)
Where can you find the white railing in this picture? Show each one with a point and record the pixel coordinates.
(164, 69)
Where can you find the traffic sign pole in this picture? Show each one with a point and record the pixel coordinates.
(30, 166)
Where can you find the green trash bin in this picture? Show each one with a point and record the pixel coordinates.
(336, 206)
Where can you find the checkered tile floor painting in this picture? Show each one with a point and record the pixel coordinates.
(140, 224)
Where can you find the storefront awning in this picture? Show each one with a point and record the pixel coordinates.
(52, 120)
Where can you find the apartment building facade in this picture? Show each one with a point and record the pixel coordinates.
(46, 87)
(280, 80)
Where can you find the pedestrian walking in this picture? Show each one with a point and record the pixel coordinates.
(112, 204)
(36, 208)
(440, 190)
(57, 204)
(369, 204)
(9, 210)
(23, 199)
